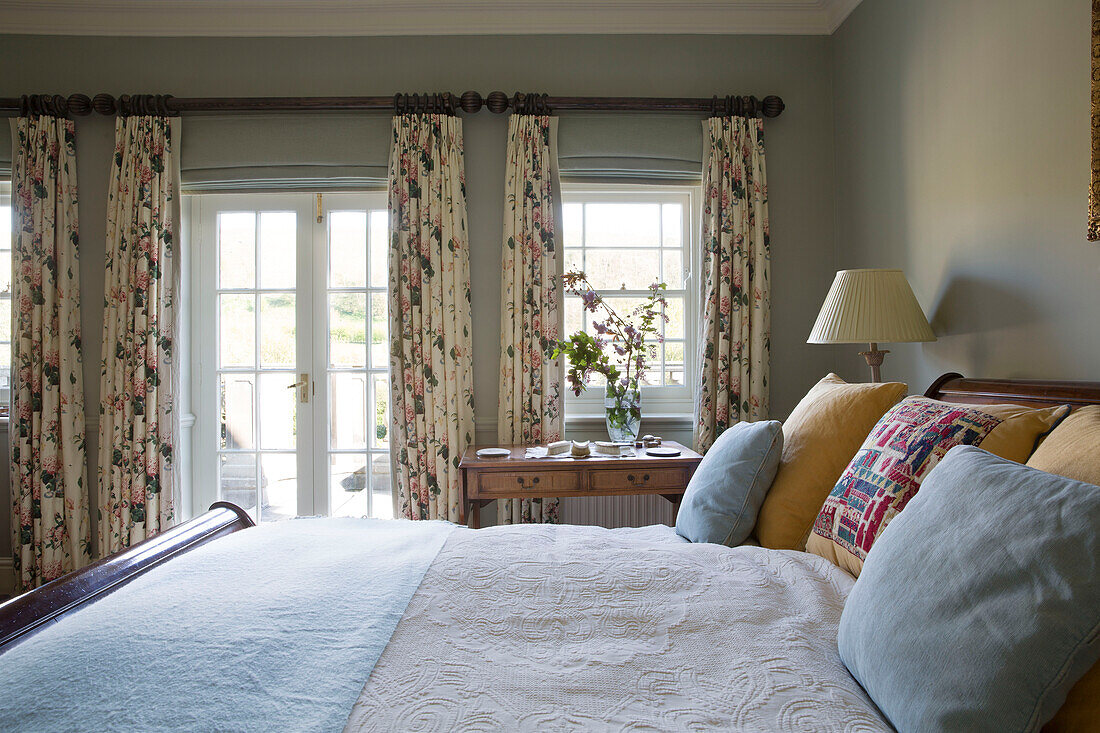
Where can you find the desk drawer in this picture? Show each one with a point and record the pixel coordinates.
(508, 483)
(639, 478)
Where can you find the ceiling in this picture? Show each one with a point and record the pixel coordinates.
(419, 17)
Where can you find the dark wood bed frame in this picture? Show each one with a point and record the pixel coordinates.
(23, 615)
(31, 611)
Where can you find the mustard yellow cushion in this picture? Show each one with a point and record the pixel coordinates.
(902, 448)
(1080, 713)
(819, 439)
(1073, 448)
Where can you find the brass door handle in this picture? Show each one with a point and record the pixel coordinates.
(303, 385)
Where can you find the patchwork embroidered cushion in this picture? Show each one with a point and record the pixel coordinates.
(819, 439)
(902, 448)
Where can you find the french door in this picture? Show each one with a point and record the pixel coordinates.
(291, 353)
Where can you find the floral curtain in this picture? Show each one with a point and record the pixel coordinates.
(530, 302)
(736, 283)
(138, 422)
(431, 367)
(50, 520)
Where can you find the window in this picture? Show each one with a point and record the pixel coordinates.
(625, 237)
(291, 353)
(5, 293)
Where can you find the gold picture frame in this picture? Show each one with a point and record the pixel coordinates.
(1094, 185)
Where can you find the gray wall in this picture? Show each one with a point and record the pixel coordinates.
(962, 156)
(800, 143)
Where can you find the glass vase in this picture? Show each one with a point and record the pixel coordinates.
(623, 411)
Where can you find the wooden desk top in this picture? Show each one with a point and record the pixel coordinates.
(517, 459)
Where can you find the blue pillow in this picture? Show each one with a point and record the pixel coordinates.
(727, 489)
(979, 606)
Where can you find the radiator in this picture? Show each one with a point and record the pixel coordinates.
(616, 511)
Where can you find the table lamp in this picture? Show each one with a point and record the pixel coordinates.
(871, 307)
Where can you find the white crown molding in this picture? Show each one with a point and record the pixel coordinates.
(419, 17)
(839, 10)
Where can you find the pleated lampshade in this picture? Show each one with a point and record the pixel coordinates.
(870, 306)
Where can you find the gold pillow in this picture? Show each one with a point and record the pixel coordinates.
(1073, 448)
(819, 439)
(900, 451)
(1081, 711)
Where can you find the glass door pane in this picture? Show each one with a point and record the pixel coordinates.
(258, 373)
(356, 361)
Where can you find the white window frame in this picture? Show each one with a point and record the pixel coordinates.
(658, 402)
(313, 346)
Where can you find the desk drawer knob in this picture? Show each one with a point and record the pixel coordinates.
(519, 480)
(631, 479)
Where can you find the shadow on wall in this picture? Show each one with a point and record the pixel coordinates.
(971, 318)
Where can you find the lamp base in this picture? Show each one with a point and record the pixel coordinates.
(874, 359)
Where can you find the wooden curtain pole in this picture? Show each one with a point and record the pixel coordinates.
(470, 102)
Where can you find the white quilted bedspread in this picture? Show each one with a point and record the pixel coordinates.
(565, 628)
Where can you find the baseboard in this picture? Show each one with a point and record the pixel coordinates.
(7, 576)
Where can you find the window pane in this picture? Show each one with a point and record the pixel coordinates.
(574, 260)
(379, 329)
(277, 329)
(237, 403)
(278, 237)
(5, 319)
(616, 268)
(675, 312)
(5, 270)
(347, 231)
(348, 484)
(574, 315)
(674, 269)
(347, 402)
(672, 224)
(237, 480)
(237, 248)
(347, 329)
(674, 362)
(380, 411)
(381, 491)
(379, 247)
(622, 225)
(622, 305)
(278, 411)
(237, 316)
(278, 486)
(572, 224)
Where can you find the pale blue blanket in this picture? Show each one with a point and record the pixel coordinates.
(275, 628)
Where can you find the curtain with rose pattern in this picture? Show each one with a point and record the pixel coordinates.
(138, 425)
(530, 302)
(736, 289)
(50, 521)
(431, 368)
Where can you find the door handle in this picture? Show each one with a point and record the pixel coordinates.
(303, 385)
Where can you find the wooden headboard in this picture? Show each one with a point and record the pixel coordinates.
(952, 387)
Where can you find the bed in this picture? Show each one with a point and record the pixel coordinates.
(321, 624)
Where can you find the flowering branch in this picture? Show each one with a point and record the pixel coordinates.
(587, 353)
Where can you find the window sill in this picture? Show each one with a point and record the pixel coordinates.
(655, 423)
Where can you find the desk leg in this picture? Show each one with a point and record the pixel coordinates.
(462, 500)
(675, 499)
(475, 514)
